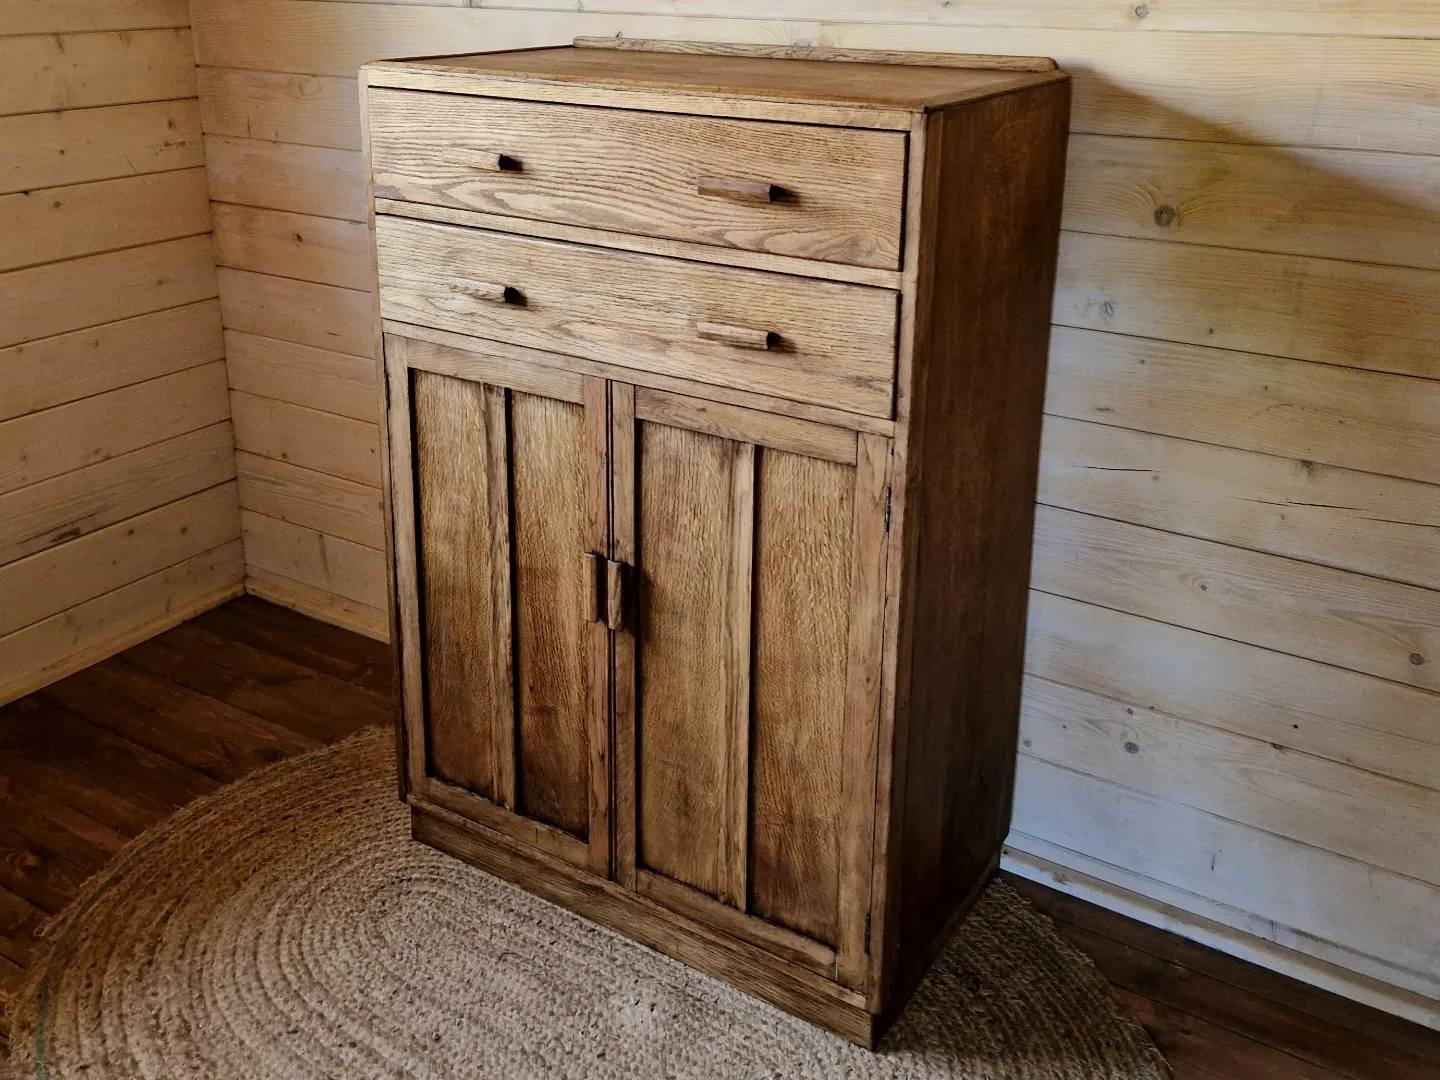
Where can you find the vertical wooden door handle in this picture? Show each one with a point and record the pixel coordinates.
(592, 567)
(738, 190)
(615, 574)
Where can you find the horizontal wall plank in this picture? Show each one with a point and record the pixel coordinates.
(66, 222)
(76, 145)
(319, 249)
(1381, 318)
(327, 607)
(323, 562)
(1340, 204)
(63, 644)
(314, 500)
(77, 503)
(1323, 964)
(320, 315)
(69, 16)
(1342, 809)
(309, 109)
(94, 429)
(303, 375)
(59, 297)
(1355, 719)
(1218, 87)
(1376, 525)
(1390, 423)
(1364, 624)
(1318, 893)
(349, 449)
(277, 176)
(1414, 18)
(75, 71)
(41, 374)
(61, 577)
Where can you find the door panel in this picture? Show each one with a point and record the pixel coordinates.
(549, 527)
(506, 670)
(745, 715)
(803, 516)
(685, 484)
(465, 702)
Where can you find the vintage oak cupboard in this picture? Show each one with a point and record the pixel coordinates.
(713, 385)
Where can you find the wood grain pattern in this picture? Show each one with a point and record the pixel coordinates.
(803, 554)
(302, 375)
(338, 567)
(67, 367)
(97, 428)
(682, 531)
(301, 246)
(465, 703)
(570, 306)
(73, 71)
(103, 215)
(280, 107)
(1364, 624)
(1375, 725)
(52, 512)
(277, 176)
(552, 663)
(322, 316)
(316, 500)
(59, 297)
(841, 189)
(307, 437)
(72, 146)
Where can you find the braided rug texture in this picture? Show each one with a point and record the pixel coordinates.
(288, 927)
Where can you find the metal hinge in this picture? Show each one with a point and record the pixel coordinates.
(867, 933)
(887, 508)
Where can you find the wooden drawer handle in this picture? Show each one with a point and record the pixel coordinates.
(742, 337)
(485, 161)
(488, 291)
(729, 187)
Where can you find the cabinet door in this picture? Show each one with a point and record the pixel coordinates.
(499, 490)
(747, 670)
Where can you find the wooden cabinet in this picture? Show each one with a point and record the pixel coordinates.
(713, 381)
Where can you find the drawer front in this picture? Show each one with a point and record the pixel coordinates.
(825, 193)
(800, 338)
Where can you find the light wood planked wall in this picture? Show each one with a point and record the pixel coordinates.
(118, 502)
(1231, 722)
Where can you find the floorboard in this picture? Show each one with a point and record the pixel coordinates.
(90, 762)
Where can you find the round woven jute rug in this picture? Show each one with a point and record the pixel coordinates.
(288, 927)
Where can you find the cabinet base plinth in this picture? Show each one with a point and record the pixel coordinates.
(795, 990)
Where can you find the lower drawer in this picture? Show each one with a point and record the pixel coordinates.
(799, 338)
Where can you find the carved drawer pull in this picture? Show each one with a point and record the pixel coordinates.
(488, 291)
(486, 161)
(729, 187)
(742, 337)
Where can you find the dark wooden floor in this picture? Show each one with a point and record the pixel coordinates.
(92, 761)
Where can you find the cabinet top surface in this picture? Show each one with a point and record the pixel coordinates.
(812, 76)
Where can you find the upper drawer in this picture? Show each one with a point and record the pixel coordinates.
(801, 338)
(825, 193)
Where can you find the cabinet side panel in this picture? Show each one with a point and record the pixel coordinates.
(548, 463)
(683, 531)
(803, 556)
(1001, 179)
(452, 494)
